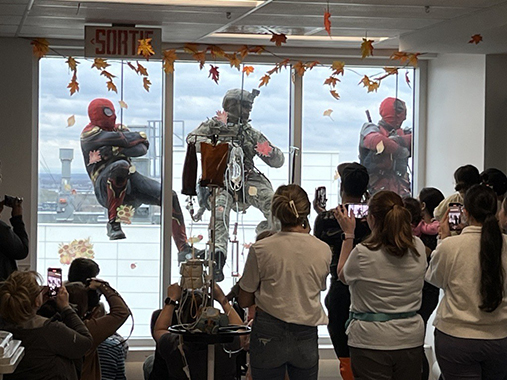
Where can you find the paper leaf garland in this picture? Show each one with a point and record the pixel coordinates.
(73, 86)
(71, 121)
(248, 70)
(168, 60)
(327, 22)
(338, 67)
(146, 84)
(72, 63)
(111, 86)
(264, 80)
(40, 47)
(234, 61)
(475, 39)
(278, 39)
(213, 73)
(334, 94)
(123, 104)
(100, 64)
(366, 48)
(328, 112)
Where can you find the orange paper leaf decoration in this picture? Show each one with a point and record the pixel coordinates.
(366, 48)
(234, 61)
(40, 47)
(141, 70)
(73, 85)
(216, 51)
(331, 81)
(214, 74)
(144, 48)
(278, 39)
(311, 65)
(111, 86)
(264, 80)
(327, 22)
(107, 74)
(200, 57)
(190, 48)
(248, 70)
(299, 68)
(475, 39)
(338, 67)
(334, 94)
(100, 64)
(146, 84)
(256, 49)
(72, 63)
(244, 51)
(168, 60)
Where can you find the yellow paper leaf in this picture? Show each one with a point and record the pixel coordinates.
(111, 86)
(256, 49)
(264, 80)
(234, 61)
(338, 67)
(380, 147)
(391, 70)
(169, 58)
(144, 48)
(244, 51)
(72, 63)
(373, 86)
(327, 112)
(311, 65)
(71, 121)
(123, 104)
(146, 84)
(132, 66)
(40, 47)
(413, 59)
(191, 48)
(100, 64)
(366, 48)
(331, 81)
(399, 56)
(216, 51)
(200, 57)
(299, 68)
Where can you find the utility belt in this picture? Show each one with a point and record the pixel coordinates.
(378, 317)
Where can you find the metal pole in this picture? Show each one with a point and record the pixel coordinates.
(212, 230)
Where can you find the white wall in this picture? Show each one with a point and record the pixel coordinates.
(18, 146)
(455, 117)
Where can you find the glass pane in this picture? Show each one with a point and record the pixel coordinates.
(197, 99)
(71, 221)
(332, 128)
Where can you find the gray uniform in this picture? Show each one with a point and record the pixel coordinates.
(257, 190)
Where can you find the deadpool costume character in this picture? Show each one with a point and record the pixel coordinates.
(385, 149)
(107, 148)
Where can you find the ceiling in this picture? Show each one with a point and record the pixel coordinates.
(430, 26)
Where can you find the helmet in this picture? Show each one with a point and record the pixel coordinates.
(102, 114)
(238, 95)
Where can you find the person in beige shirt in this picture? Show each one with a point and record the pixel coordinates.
(284, 275)
(471, 320)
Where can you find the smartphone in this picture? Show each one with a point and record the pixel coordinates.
(10, 201)
(320, 196)
(455, 215)
(360, 210)
(54, 280)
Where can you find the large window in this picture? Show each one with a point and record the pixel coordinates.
(71, 222)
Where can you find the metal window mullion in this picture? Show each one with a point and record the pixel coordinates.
(296, 130)
(167, 182)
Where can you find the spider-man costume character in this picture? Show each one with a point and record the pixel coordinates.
(107, 148)
(385, 148)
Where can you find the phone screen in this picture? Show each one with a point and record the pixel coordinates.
(360, 210)
(454, 215)
(320, 193)
(54, 280)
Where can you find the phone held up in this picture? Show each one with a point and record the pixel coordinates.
(455, 212)
(320, 196)
(360, 210)
(54, 281)
(11, 201)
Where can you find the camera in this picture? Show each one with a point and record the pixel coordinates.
(11, 201)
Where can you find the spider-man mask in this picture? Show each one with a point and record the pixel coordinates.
(102, 114)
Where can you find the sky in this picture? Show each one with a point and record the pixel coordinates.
(197, 98)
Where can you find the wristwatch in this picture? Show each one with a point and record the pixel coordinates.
(170, 301)
(347, 236)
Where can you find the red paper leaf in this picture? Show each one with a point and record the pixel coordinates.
(475, 39)
(213, 73)
(327, 22)
(407, 79)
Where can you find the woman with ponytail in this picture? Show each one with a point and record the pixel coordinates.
(471, 320)
(53, 350)
(284, 275)
(385, 275)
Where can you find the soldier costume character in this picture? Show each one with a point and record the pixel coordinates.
(245, 142)
(107, 148)
(384, 149)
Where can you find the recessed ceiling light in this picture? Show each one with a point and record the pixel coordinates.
(190, 3)
(297, 37)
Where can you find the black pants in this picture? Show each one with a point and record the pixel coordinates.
(338, 305)
(386, 364)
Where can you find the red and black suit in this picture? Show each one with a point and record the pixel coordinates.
(385, 148)
(107, 148)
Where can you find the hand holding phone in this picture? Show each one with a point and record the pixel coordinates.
(360, 210)
(54, 281)
(455, 212)
(319, 201)
(62, 298)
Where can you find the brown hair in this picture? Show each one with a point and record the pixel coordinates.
(290, 205)
(392, 230)
(17, 296)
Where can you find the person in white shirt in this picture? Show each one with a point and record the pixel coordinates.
(284, 275)
(385, 274)
(471, 320)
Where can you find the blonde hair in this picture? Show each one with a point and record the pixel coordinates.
(392, 230)
(18, 295)
(290, 205)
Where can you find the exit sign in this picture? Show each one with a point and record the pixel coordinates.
(119, 42)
